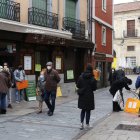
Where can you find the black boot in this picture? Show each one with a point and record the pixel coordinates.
(3, 111)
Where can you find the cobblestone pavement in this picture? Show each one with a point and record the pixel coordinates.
(63, 125)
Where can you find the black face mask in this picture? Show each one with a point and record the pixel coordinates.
(20, 68)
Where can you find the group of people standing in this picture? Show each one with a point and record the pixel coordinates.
(8, 79)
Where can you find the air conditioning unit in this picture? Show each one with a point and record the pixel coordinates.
(86, 34)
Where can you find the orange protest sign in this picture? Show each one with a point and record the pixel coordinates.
(132, 105)
(22, 85)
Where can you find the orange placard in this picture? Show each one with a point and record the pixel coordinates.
(132, 105)
(22, 85)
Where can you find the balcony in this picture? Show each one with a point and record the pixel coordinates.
(132, 33)
(76, 27)
(42, 18)
(10, 10)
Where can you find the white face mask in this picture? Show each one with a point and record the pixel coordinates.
(49, 67)
(5, 67)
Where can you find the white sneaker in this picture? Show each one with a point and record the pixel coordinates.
(17, 102)
(82, 126)
(87, 127)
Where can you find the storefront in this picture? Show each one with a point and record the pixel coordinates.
(103, 64)
(33, 47)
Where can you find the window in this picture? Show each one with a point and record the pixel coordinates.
(104, 36)
(131, 62)
(104, 5)
(70, 8)
(40, 4)
(130, 48)
(131, 28)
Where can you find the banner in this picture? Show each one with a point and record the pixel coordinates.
(31, 90)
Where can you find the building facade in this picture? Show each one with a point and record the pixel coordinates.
(33, 32)
(100, 18)
(127, 34)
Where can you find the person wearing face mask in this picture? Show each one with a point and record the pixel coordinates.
(52, 79)
(19, 75)
(40, 90)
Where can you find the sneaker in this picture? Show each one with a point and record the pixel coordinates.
(50, 114)
(82, 126)
(87, 127)
(17, 102)
(10, 106)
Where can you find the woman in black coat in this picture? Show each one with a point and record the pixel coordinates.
(86, 85)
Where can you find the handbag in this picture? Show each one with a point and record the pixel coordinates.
(117, 97)
(22, 85)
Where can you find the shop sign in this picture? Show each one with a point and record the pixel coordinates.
(37, 67)
(58, 63)
(70, 74)
(31, 90)
(27, 63)
(100, 56)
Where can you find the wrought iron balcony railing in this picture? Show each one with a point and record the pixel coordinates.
(42, 18)
(76, 27)
(10, 10)
(132, 33)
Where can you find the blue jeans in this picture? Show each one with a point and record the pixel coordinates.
(19, 95)
(2, 101)
(49, 99)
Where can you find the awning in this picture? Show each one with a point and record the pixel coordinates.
(13, 26)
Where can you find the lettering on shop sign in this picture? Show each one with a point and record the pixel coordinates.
(100, 57)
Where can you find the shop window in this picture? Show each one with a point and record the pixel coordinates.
(130, 48)
(103, 36)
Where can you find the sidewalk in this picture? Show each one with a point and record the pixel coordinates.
(107, 129)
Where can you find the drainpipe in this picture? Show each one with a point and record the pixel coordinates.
(58, 12)
(91, 17)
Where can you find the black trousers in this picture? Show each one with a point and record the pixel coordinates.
(87, 113)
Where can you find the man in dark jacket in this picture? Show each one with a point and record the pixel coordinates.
(117, 85)
(4, 88)
(52, 79)
(86, 85)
